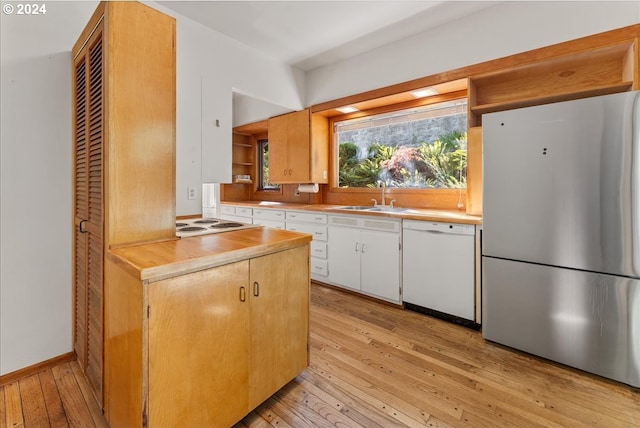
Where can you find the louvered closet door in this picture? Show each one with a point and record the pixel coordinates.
(89, 131)
(81, 211)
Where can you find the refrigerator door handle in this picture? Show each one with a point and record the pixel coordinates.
(635, 186)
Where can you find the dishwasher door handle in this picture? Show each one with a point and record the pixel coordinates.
(436, 232)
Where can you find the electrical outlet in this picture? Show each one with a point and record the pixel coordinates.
(191, 192)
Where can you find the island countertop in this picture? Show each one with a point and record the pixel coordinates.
(160, 260)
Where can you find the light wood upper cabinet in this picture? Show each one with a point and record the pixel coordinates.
(123, 153)
(298, 145)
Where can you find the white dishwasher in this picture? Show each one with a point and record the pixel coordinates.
(439, 268)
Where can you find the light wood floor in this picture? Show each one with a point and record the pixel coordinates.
(374, 365)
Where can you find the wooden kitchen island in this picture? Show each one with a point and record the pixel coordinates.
(199, 331)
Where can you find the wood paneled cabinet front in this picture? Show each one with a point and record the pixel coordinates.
(123, 81)
(220, 342)
(298, 146)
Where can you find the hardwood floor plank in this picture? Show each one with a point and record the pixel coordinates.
(266, 412)
(383, 396)
(356, 410)
(3, 412)
(55, 411)
(370, 368)
(95, 410)
(380, 413)
(450, 384)
(585, 417)
(34, 407)
(253, 420)
(290, 415)
(311, 409)
(13, 405)
(369, 398)
(499, 373)
(73, 402)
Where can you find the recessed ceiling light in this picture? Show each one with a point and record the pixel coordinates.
(427, 92)
(347, 109)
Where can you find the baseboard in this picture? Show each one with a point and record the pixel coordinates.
(36, 368)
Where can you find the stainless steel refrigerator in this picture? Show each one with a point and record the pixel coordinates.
(561, 233)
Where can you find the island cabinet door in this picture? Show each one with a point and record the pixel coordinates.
(199, 348)
(279, 285)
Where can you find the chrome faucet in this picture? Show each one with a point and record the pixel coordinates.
(382, 185)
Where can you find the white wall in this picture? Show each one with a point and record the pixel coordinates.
(35, 197)
(501, 30)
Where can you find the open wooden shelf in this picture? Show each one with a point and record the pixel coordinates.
(243, 144)
(590, 72)
(545, 99)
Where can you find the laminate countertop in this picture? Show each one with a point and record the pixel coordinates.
(425, 214)
(166, 259)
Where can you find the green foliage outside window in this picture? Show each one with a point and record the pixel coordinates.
(437, 164)
(263, 167)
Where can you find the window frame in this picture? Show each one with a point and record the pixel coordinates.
(408, 191)
(260, 168)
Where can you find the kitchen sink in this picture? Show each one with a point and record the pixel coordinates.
(388, 209)
(369, 208)
(356, 207)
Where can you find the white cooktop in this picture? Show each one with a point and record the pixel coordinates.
(204, 226)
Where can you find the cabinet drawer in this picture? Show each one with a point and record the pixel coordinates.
(319, 249)
(319, 267)
(269, 223)
(274, 215)
(244, 212)
(307, 217)
(383, 225)
(225, 209)
(319, 232)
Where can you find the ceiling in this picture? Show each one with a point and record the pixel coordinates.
(311, 34)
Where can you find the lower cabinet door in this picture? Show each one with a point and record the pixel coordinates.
(279, 319)
(344, 257)
(380, 265)
(199, 348)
